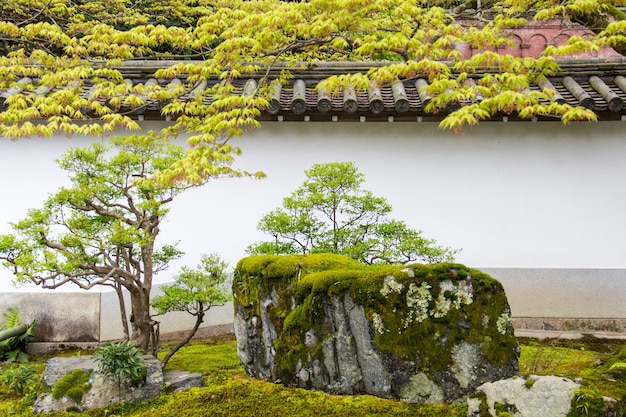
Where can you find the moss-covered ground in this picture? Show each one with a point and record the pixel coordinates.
(229, 392)
(588, 358)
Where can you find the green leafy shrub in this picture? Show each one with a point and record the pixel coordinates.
(72, 385)
(18, 378)
(12, 348)
(121, 362)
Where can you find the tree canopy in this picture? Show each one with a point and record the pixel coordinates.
(331, 213)
(66, 47)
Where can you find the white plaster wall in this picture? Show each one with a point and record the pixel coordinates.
(521, 195)
(517, 195)
(60, 316)
(564, 293)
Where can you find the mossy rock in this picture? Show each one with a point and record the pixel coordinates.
(419, 333)
(72, 385)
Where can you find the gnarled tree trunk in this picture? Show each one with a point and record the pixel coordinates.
(140, 318)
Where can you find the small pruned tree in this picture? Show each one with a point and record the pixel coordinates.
(102, 229)
(194, 291)
(330, 212)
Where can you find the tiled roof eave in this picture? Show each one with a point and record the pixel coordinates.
(568, 65)
(598, 84)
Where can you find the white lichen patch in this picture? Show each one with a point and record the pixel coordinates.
(418, 299)
(377, 321)
(442, 306)
(447, 286)
(503, 323)
(466, 286)
(465, 358)
(422, 304)
(391, 285)
(462, 298)
(406, 322)
(422, 390)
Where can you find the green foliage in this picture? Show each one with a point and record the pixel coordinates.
(587, 402)
(618, 370)
(11, 318)
(229, 392)
(12, 349)
(72, 385)
(121, 362)
(503, 410)
(18, 377)
(331, 213)
(544, 359)
(102, 220)
(588, 358)
(66, 44)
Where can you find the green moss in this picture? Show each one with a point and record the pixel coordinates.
(504, 410)
(281, 267)
(72, 385)
(229, 392)
(483, 410)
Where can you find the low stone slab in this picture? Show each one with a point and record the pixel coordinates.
(177, 381)
(104, 392)
(538, 396)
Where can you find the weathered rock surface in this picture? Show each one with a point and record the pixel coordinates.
(419, 333)
(103, 392)
(177, 381)
(545, 396)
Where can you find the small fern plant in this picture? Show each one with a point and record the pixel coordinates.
(618, 370)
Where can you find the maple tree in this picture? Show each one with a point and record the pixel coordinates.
(62, 45)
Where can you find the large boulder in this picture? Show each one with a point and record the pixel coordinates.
(417, 333)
